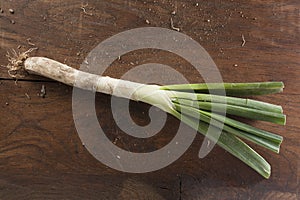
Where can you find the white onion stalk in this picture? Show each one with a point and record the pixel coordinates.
(187, 102)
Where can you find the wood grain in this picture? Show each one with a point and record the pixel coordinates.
(41, 155)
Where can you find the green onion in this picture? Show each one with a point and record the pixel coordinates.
(190, 103)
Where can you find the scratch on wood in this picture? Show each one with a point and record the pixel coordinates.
(180, 187)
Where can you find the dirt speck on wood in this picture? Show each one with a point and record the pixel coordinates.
(11, 11)
(172, 25)
(29, 42)
(43, 91)
(243, 41)
(27, 95)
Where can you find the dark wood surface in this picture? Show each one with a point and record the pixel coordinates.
(41, 156)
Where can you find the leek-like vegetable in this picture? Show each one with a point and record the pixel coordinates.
(187, 102)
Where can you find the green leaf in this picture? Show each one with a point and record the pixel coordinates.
(269, 140)
(247, 103)
(248, 89)
(232, 144)
(250, 113)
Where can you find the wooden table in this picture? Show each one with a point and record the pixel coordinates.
(41, 155)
